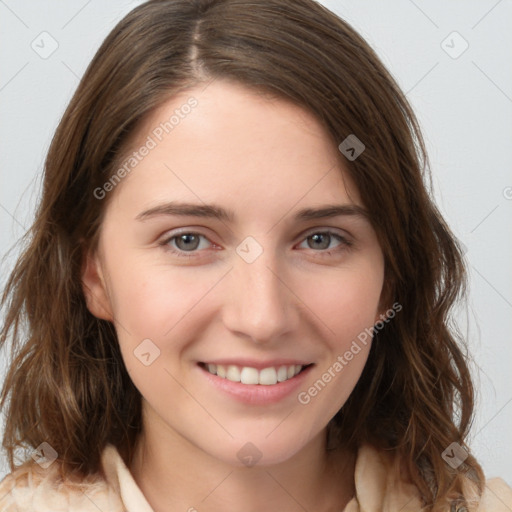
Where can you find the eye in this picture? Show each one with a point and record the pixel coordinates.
(184, 242)
(322, 240)
(190, 242)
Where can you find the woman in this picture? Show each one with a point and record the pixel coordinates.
(296, 355)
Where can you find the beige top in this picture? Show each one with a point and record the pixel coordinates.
(31, 488)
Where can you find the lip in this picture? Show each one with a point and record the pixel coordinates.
(255, 394)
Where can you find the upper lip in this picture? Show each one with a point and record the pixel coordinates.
(259, 365)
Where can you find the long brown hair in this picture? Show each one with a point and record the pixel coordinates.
(67, 382)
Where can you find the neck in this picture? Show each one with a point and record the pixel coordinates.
(174, 475)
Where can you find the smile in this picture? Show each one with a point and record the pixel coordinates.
(247, 375)
(256, 383)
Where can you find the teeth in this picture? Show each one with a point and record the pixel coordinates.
(268, 376)
(233, 374)
(247, 375)
(282, 373)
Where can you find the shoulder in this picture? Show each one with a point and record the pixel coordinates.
(497, 496)
(382, 485)
(30, 488)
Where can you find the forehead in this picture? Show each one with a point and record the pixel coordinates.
(227, 142)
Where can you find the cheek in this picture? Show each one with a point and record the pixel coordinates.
(335, 378)
(151, 300)
(156, 310)
(348, 306)
(347, 303)
(332, 386)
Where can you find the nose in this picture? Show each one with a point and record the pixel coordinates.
(259, 303)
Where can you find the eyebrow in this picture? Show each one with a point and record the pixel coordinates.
(217, 212)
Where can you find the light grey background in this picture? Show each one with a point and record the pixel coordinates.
(464, 104)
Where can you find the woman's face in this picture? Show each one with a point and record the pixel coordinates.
(250, 283)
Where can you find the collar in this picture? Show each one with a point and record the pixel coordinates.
(377, 490)
(378, 487)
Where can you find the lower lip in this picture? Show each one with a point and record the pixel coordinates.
(257, 394)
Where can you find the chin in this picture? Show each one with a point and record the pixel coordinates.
(260, 450)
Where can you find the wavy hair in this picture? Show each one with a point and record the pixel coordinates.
(67, 384)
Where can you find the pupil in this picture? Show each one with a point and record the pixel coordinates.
(187, 238)
(318, 237)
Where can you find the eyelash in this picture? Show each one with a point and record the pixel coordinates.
(345, 244)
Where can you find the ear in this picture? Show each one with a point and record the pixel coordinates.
(94, 287)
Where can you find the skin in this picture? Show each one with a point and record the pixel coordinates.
(264, 159)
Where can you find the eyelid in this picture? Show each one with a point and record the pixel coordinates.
(327, 229)
(310, 231)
